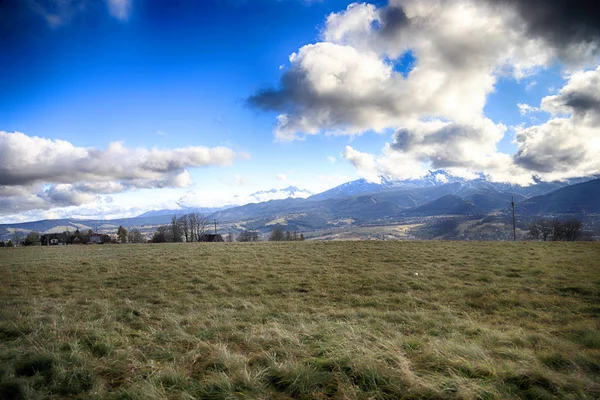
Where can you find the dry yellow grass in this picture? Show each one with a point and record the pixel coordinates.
(353, 320)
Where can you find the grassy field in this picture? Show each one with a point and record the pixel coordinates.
(313, 320)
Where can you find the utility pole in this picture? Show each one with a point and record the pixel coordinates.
(512, 203)
(215, 226)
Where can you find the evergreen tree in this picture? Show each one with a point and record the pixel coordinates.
(122, 234)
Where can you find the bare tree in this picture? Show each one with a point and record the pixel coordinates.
(542, 228)
(571, 229)
(555, 229)
(184, 224)
(175, 229)
(276, 234)
(135, 236)
(199, 226)
(192, 223)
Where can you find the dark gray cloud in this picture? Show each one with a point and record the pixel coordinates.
(580, 98)
(568, 144)
(271, 99)
(392, 19)
(444, 146)
(347, 83)
(582, 103)
(65, 195)
(547, 158)
(406, 140)
(563, 23)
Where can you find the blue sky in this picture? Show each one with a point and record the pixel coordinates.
(156, 76)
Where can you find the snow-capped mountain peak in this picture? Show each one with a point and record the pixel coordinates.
(278, 194)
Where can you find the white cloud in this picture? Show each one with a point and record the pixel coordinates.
(441, 178)
(525, 109)
(331, 159)
(26, 159)
(530, 85)
(119, 9)
(348, 83)
(75, 175)
(568, 144)
(281, 177)
(565, 146)
(580, 97)
(364, 164)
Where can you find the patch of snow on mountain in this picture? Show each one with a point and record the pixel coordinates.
(277, 194)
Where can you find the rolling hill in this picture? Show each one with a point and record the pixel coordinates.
(582, 198)
(447, 205)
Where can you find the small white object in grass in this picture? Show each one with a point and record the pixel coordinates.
(416, 274)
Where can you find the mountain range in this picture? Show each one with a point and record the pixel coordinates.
(361, 202)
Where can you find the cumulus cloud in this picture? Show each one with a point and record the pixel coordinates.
(42, 173)
(450, 144)
(570, 27)
(565, 146)
(568, 144)
(350, 82)
(30, 159)
(580, 97)
(63, 195)
(364, 164)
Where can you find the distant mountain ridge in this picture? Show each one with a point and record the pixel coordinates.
(581, 198)
(181, 211)
(256, 197)
(447, 205)
(278, 194)
(439, 178)
(387, 202)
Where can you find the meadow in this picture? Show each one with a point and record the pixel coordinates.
(307, 320)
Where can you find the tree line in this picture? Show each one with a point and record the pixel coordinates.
(187, 228)
(192, 227)
(277, 235)
(556, 230)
